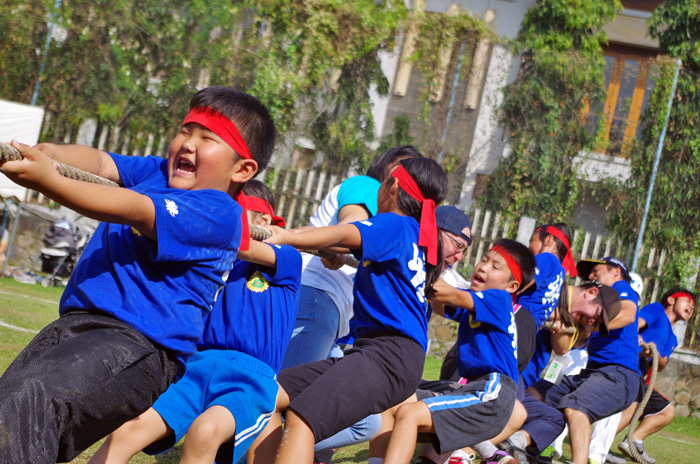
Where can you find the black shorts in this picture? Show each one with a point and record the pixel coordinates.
(334, 393)
(472, 413)
(78, 380)
(656, 404)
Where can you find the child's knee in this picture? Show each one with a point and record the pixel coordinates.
(204, 434)
(412, 412)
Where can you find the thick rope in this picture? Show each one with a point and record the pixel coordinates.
(642, 404)
(260, 233)
(10, 153)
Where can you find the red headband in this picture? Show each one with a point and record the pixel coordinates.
(245, 229)
(568, 262)
(511, 262)
(682, 294)
(221, 126)
(261, 206)
(428, 236)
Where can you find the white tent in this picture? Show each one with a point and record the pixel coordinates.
(22, 123)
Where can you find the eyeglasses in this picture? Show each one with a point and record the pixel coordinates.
(461, 247)
(599, 311)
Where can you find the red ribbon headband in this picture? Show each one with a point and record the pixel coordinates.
(221, 126)
(511, 262)
(261, 206)
(428, 236)
(568, 262)
(245, 229)
(683, 294)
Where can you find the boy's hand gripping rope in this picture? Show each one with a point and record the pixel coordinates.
(10, 153)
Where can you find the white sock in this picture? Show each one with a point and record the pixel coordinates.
(518, 440)
(486, 449)
(375, 461)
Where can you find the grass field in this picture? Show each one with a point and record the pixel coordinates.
(25, 309)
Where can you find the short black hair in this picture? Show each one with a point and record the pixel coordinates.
(676, 290)
(378, 168)
(522, 255)
(250, 116)
(256, 188)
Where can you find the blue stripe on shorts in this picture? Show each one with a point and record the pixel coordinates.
(491, 391)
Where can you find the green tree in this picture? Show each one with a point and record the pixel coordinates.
(674, 216)
(562, 69)
(135, 64)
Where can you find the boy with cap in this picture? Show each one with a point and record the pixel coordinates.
(612, 364)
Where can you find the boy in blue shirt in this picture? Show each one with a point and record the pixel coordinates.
(132, 310)
(488, 346)
(228, 392)
(655, 327)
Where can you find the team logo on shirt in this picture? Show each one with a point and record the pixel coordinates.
(257, 283)
(171, 206)
(472, 323)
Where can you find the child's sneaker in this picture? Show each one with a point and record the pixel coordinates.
(644, 457)
(499, 457)
(460, 457)
(612, 459)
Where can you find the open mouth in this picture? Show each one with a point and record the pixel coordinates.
(184, 165)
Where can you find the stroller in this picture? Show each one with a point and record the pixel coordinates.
(64, 241)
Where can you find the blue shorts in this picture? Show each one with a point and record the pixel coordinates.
(242, 384)
(597, 392)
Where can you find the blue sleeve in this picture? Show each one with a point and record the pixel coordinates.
(650, 316)
(493, 307)
(384, 238)
(288, 270)
(359, 190)
(624, 289)
(135, 169)
(193, 225)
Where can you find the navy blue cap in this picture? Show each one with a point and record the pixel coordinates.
(453, 220)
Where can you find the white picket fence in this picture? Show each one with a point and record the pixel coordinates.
(299, 192)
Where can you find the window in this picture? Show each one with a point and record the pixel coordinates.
(629, 85)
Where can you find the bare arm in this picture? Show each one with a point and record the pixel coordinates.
(447, 295)
(104, 203)
(84, 158)
(319, 238)
(628, 313)
(259, 253)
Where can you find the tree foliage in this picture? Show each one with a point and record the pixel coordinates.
(562, 69)
(674, 216)
(135, 64)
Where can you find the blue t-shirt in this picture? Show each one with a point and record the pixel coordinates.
(542, 298)
(540, 359)
(621, 346)
(487, 337)
(160, 287)
(256, 313)
(659, 329)
(389, 287)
